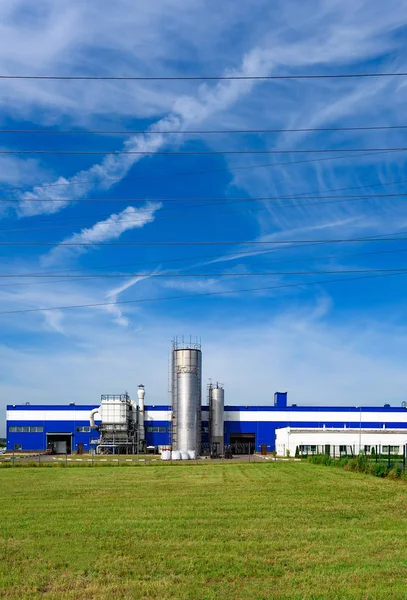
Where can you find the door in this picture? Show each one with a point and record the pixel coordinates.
(242, 443)
(60, 447)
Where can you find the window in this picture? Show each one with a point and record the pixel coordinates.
(26, 429)
(85, 429)
(308, 449)
(17, 447)
(156, 429)
(393, 449)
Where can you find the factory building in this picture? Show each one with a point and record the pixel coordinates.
(190, 427)
(31, 428)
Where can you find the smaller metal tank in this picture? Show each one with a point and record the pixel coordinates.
(216, 415)
(141, 392)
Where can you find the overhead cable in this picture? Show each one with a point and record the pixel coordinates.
(200, 172)
(221, 274)
(189, 296)
(228, 257)
(205, 242)
(214, 199)
(201, 131)
(198, 152)
(251, 209)
(300, 195)
(201, 77)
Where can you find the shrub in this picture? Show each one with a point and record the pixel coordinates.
(297, 452)
(362, 463)
(351, 464)
(378, 469)
(395, 473)
(321, 459)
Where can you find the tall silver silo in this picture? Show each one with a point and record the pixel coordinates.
(216, 415)
(186, 392)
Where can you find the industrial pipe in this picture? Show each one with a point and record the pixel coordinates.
(92, 418)
(141, 392)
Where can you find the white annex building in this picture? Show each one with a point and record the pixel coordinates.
(339, 441)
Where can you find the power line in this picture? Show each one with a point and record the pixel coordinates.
(204, 243)
(56, 274)
(201, 131)
(196, 152)
(60, 273)
(214, 199)
(213, 275)
(200, 172)
(188, 296)
(51, 279)
(301, 195)
(219, 213)
(200, 77)
(234, 254)
(305, 195)
(232, 274)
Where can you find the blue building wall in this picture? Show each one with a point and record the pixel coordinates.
(37, 440)
(158, 431)
(158, 438)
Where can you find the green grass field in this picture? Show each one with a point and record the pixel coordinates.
(213, 531)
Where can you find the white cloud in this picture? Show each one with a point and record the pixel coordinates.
(54, 319)
(17, 171)
(115, 292)
(332, 36)
(116, 224)
(187, 111)
(170, 37)
(113, 295)
(104, 231)
(118, 316)
(163, 37)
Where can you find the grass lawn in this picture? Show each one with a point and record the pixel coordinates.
(212, 531)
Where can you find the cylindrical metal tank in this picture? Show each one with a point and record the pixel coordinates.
(216, 417)
(186, 397)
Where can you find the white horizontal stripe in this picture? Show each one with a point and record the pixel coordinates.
(315, 417)
(321, 417)
(77, 415)
(157, 415)
(49, 415)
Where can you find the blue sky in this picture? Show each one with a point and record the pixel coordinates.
(326, 344)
